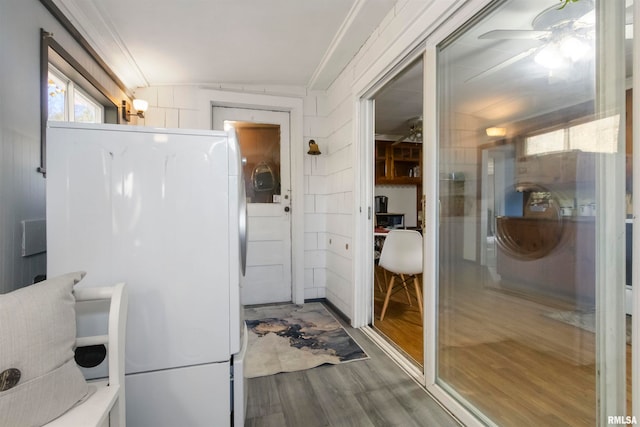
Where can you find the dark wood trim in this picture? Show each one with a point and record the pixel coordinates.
(332, 306)
(71, 29)
(44, 109)
(47, 41)
(53, 44)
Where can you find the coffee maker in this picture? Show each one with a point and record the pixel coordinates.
(381, 204)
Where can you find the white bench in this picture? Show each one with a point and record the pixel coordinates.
(106, 405)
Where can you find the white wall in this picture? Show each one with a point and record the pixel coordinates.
(337, 109)
(402, 199)
(316, 200)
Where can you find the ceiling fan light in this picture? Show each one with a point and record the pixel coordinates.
(550, 57)
(574, 48)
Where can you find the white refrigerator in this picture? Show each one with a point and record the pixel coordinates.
(164, 211)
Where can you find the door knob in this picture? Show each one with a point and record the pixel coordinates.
(287, 209)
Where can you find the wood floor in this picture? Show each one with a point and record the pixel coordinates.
(402, 324)
(373, 392)
(502, 353)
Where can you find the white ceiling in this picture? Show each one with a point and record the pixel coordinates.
(268, 42)
(398, 104)
(307, 43)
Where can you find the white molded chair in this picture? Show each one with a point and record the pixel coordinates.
(402, 256)
(106, 405)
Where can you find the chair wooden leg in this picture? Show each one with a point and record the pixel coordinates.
(406, 290)
(419, 294)
(386, 299)
(376, 274)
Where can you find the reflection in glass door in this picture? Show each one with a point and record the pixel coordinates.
(531, 148)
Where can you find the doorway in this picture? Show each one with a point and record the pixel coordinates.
(396, 311)
(264, 141)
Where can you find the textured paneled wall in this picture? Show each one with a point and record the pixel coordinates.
(21, 197)
(338, 109)
(22, 188)
(316, 202)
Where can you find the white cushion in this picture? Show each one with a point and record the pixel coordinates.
(37, 338)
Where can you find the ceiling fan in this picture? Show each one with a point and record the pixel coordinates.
(566, 34)
(414, 131)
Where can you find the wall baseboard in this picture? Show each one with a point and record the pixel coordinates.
(335, 309)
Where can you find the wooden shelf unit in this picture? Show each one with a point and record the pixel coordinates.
(397, 164)
(393, 163)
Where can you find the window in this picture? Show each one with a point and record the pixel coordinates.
(546, 143)
(67, 102)
(69, 92)
(596, 136)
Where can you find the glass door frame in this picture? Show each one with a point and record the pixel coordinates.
(635, 334)
(609, 378)
(364, 113)
(431, 245)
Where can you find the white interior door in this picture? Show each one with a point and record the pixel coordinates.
(268, 276)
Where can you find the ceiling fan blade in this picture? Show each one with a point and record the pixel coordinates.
(399, 140)
(587, 20)
(515, 34)
(502, 64)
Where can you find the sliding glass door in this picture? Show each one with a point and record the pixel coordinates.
(533, 198)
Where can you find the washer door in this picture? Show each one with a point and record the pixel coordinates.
(537, 232)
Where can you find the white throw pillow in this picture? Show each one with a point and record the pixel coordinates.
(39, 379)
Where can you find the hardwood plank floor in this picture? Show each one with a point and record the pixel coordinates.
(373, 392)
(402, 325)
(502, 352)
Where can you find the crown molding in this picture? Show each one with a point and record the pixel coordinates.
(93, 23)
(363, 18)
